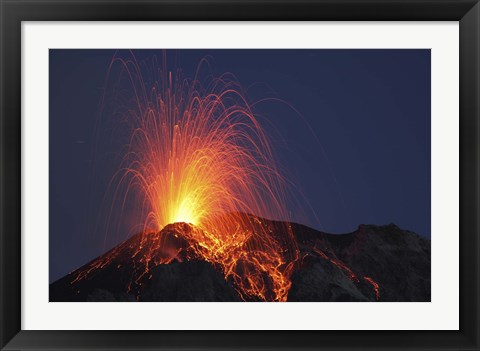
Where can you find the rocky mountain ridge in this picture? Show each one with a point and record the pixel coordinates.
(373, 263)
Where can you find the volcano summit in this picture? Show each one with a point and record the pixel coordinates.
(373, 263)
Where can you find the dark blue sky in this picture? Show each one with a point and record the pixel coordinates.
(367, 160)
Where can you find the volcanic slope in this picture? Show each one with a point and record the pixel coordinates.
(373, 263)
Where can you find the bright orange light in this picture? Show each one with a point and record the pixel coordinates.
(187, 211)
(198, 154)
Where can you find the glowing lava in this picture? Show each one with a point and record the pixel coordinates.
(376, 287)
(348, 272)
(198, 154)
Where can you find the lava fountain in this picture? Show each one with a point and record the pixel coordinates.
(198, 154)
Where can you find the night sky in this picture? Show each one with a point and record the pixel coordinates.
(365, 160)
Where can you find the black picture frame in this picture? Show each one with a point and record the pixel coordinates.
(13, 12)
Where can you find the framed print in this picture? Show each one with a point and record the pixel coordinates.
(264, 175)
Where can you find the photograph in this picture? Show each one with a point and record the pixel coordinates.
(239, 175)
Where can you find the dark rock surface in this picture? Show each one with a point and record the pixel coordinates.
(397, 260)
(374, 263)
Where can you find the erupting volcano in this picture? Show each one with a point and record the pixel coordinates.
(205, 181)
(197, 154)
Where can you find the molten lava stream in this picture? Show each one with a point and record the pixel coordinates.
(376, 287)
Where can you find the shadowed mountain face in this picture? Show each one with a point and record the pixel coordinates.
(374, 263)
